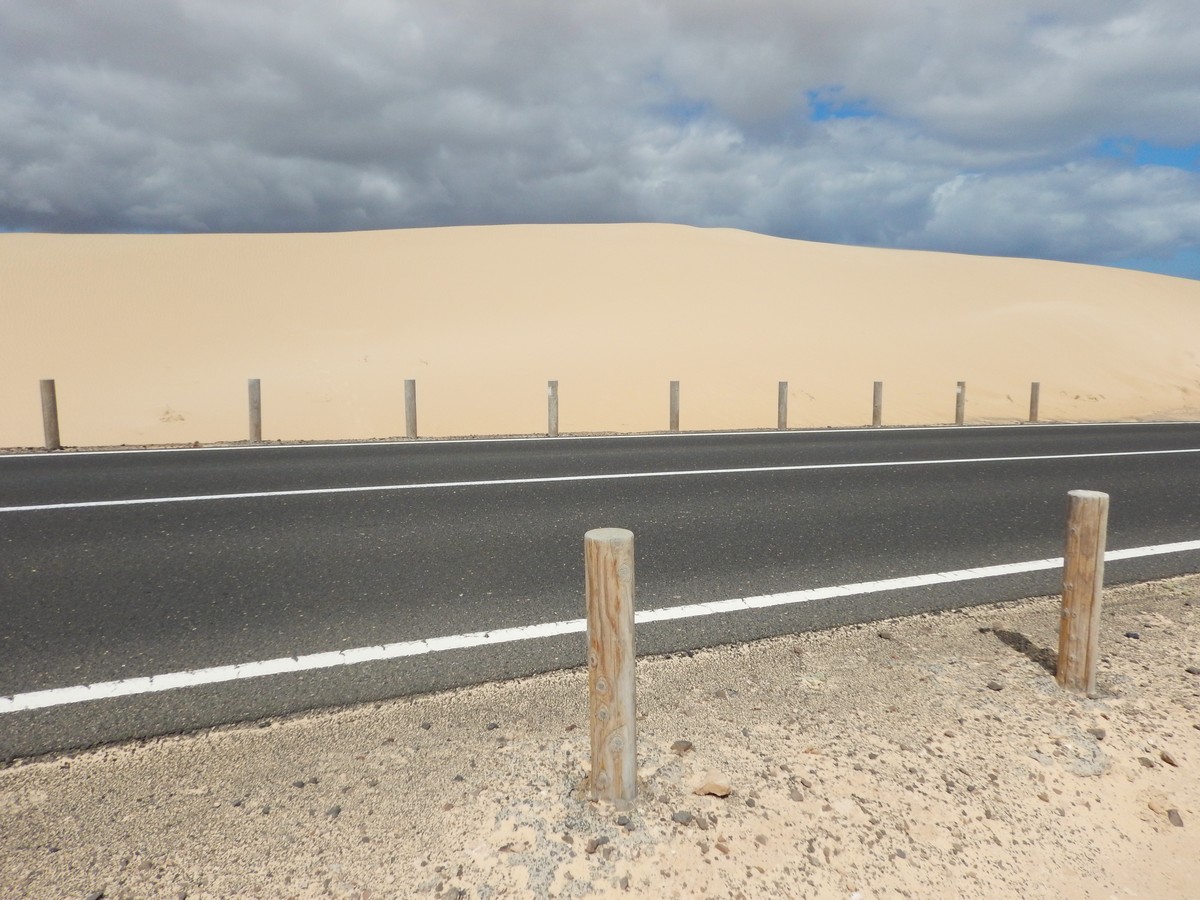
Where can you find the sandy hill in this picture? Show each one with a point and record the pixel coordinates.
(151, 337)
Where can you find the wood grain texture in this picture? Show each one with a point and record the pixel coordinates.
(1035, 391)
(1083, 583)
(609, 586)
(877, 404)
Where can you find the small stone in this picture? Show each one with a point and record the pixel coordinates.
(722, 847)
(806, 783)
(492, 726)
(1147, 763)
(297, 783)
(334, 811)
(95, 895)
(681, 747)
(751, 802)
(623, 881)
(596, 843)
(886, 635)
(622, 821)
(1098, 733)
(266, 809)
(796, 795)
(1168, 758)
(1193, 670)
(1175, 818)
(995, 686)
(459, 778)
(1133, 635)
(426, 725)
(683, 817)
(760, 839)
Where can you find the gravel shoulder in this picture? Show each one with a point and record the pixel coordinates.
(932, 756)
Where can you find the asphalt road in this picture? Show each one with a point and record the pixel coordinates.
(120, 565)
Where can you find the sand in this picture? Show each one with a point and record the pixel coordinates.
(927, 757)
(151, 338)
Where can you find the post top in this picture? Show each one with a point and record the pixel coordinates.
(609, 535)
(1088, 495)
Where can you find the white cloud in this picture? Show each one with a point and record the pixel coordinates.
(222, 115)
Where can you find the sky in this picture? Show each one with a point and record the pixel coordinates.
(1060, 129)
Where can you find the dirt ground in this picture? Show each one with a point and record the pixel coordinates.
(926, 757)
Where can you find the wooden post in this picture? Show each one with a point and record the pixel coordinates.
(674, 405)
(877, 404)
(50, 414)
(960, 403)
(410, 407)
(1035, 389)
(608, 583)
(783, 398)
(552, 408)
(1083, 582)
(255, 386)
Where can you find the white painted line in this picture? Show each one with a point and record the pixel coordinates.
(197, 677)
(560, 479)
(68, 453)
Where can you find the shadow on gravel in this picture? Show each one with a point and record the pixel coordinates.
(1043, 656)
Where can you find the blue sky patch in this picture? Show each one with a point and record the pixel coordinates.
(829, 102)
(1146, 153)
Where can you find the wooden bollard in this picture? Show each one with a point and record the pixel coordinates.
(674, 405)
(255, 390)
(608, 583)
(960, 403)
(410, 408)
(783, 398)
(1083, 582)
(1035, 390)
(552, 408)
(877, 404)
(50, 414)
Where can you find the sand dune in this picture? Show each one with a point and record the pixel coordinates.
(151, 338)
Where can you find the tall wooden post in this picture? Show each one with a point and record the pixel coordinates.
(1083, 583)
(608, 583)
(783, 398)
(960, 403)
(674, 405)
(410, 407)
(50, 414)
(1035, 390)
(552, 408)
(255, 389)
(877, 405)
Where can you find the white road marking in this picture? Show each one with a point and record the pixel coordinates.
(558, 479)
(217, 674)
(68, 453)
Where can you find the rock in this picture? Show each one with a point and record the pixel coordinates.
(760, 839)
(426, 725)
(886, 635)
(492, 726)
(334, 811)
(681, 747)
(682, 817)
(623, 881)
(995, 686)
(722, 847)
(1146, 763)
(1133, 635)
(1175, 818)
(796, 795)
(1168, 758)
(95, 895)
(807, 784)
(596, 843)
(297, 784)
(1098, 733)
(1193, 670)
(622, 821)
(713, 788)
